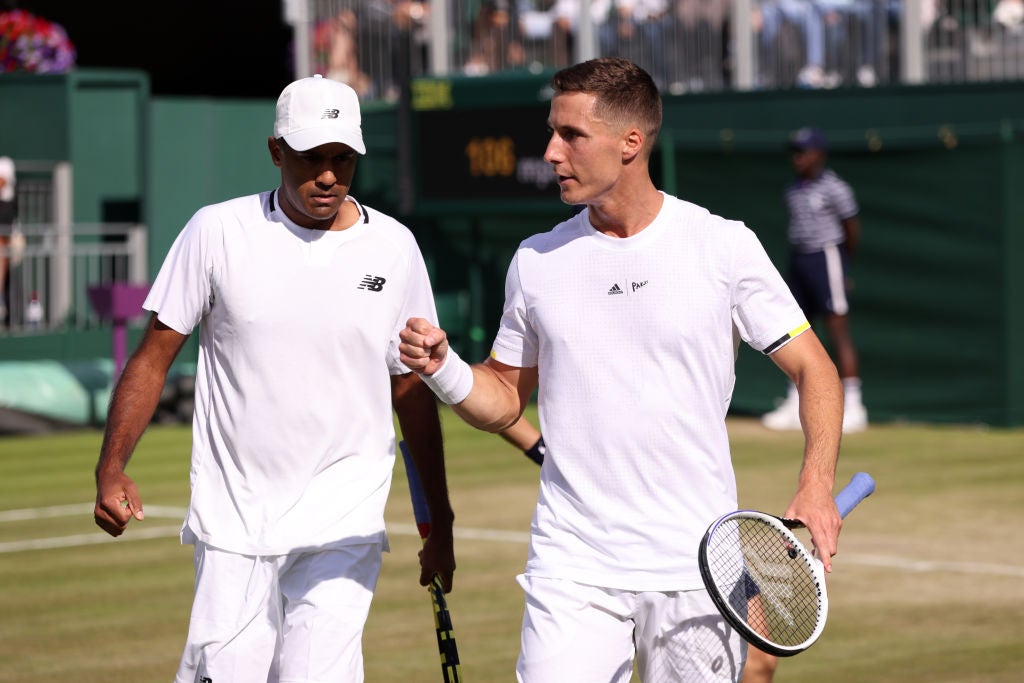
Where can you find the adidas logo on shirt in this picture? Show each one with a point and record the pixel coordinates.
(615, 289)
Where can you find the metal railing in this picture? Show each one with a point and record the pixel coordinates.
(52, 262)
(49, 275)
(688, 45)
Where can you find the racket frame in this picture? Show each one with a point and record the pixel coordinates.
(798, 550)
(451, 669)
(860, 487)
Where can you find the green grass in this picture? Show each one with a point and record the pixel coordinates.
(928, 584)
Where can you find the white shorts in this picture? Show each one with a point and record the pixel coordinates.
(575, 632)
(287, 618)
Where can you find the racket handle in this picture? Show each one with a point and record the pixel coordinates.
(419, 501)
(860, 487)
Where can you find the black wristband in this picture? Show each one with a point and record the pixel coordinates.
(537, 451)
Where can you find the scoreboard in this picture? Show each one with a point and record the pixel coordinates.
(484, 153)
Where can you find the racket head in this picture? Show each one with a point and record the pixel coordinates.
(764, 581)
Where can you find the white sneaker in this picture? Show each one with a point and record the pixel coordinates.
(786, 416)
(833, 79)
(811, 76)
(866, 76)
(855, 418)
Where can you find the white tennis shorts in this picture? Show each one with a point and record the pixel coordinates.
(575, 632)
(279, 618)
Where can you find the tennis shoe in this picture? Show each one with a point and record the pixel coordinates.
(855, 418)
(811, 76)
(785, 417)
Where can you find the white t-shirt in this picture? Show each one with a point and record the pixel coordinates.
(635, 341)
(293, 436)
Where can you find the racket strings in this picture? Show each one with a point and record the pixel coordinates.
(770, 585)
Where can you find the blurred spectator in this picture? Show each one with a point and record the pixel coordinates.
(860, 36)
(536, 19)
(867, 20)
(701, 50)
(1010, 15)
(495, 40)
(770, 17)
(565, 28)
(638, 32)
(410, 19)
(335, 44)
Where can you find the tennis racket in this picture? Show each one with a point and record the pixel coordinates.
(764, 581)
(450, 670)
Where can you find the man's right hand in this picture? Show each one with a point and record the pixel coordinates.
(117, 502)
(424, 346)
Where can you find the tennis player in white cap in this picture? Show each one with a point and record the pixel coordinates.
(298, 294)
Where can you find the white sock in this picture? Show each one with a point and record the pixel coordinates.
(851, 390)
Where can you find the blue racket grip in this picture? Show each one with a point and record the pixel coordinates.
(419, 501)
(860, 487)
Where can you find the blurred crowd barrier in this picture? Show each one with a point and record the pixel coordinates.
(687, 45)
(53, 262)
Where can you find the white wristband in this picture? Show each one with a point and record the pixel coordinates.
(453, 380)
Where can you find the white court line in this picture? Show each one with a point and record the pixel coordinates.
(86, 539)
(164, 511)
(929, 566)
(80, 509)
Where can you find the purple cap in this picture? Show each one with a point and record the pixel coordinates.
(807, 138)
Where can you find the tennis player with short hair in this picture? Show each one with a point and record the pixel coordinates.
(627, 317)
(299, 294)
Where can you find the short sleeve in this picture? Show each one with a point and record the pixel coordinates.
(764, 311)
(182, 291)
(516, 343)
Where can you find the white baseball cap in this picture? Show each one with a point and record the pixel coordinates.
(315, 111)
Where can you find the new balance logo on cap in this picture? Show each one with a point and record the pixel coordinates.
(372, 283)
(318, 111)
(615, 289)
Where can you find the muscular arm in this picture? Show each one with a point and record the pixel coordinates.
(499, 395)
(131, 408)
(416, 409)
(807, 364)
(499, 392)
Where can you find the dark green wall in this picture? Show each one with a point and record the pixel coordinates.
(96, 119)
(208, 151)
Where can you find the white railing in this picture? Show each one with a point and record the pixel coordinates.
(51, 273)
(688, 45)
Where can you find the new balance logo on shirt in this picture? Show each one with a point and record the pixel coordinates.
(615, 289)
(372, 283)
(330, 114)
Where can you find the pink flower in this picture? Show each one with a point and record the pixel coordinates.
(31, 43)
